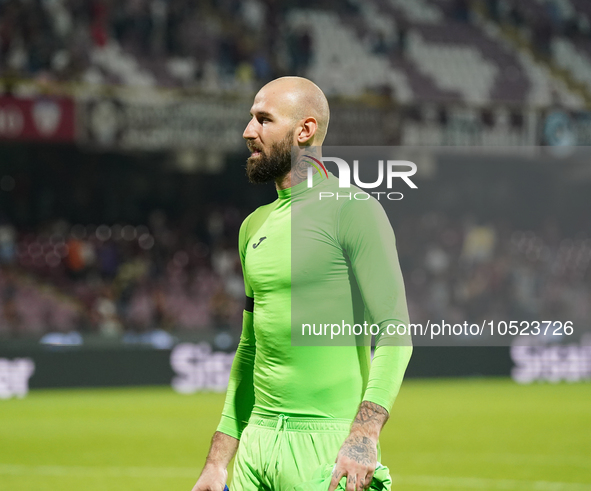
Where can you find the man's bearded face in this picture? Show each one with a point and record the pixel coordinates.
(267, 166)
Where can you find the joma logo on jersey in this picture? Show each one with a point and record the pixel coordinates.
(254, 246)
(401, 169)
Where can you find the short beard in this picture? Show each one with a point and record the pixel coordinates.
(271, 167)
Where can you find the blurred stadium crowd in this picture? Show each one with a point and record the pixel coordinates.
(470, 271)
(144, 42)
(455, 50)
(109, 279)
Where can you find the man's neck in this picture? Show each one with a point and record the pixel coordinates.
(284, 182)
(299, 170)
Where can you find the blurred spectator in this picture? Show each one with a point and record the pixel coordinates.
(105, 309)
(300, 50)
(479, 244)
(493, 9)
(542, 36)
(7, 243)
(379, 45)
(461, 11)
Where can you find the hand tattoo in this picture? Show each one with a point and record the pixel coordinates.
(360, 449)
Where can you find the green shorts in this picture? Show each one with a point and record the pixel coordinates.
(276, 454)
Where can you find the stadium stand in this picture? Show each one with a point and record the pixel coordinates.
(415, 51)
(103, 278)
(559, 33)
(577, 61)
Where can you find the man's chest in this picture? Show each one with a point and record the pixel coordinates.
(291, 250)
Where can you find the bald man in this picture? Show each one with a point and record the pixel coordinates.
(290, 410)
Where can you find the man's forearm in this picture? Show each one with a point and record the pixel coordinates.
(223, 448)
(215, 474)
(370, 420)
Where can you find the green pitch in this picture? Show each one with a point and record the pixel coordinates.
(450, 435)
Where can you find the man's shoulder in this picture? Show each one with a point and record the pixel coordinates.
(262, 212)
(350, 200)
(253, 222)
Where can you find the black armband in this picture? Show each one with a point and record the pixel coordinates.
(249, 305)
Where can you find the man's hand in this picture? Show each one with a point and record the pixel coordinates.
(212, 479)
(357, 460)
(358, 455)
(214, 475)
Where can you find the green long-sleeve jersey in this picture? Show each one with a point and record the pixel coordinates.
(311, 260)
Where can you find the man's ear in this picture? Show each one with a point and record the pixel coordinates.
(308, 129)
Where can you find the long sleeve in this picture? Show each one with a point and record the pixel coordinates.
(366, 235)
(240, 393)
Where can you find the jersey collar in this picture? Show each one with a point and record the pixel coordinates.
(300, 188)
